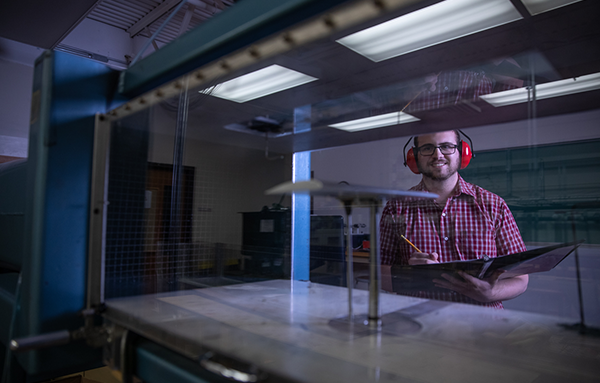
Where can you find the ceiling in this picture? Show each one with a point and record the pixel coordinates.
(23, 20)
(566, 41)
(560, 44)
(145, 17)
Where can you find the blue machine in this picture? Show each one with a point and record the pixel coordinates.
(45, 212)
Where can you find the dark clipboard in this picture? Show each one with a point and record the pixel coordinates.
(407, 279)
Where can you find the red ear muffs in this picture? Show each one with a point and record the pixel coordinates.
(411, 161)
(465, 157)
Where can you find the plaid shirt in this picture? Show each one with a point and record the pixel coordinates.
(474, 223)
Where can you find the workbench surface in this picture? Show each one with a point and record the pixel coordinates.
(300, 330)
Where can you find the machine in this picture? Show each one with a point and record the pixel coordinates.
(128, 237)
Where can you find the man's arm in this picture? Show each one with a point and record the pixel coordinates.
(489, 289)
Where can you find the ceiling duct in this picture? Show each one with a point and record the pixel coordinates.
(262, 126)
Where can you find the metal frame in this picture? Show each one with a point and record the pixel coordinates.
(98, 207)
(216, 50)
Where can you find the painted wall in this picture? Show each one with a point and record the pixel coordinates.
(228, 180)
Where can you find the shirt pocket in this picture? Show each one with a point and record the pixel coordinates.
(475, 239)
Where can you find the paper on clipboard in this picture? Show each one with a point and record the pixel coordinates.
(412, 278)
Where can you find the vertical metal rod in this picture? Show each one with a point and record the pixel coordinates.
(98, 211)
(509, 180)
(301, 203)
(578, 274)
(126, 357)
(534, 181)
(175, 234)
(350, 261)
(374, 270)
(11, 327)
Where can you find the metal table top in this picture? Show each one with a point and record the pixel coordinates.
(298, 330)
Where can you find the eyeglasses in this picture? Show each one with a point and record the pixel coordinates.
(428, 150)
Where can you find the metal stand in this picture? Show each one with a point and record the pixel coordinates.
(350, 262)
(374, 269)
(374, 315)
(350, 195)
(581, 327)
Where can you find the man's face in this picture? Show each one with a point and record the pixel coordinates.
(438, 166)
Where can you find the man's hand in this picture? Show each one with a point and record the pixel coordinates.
(489, 289)
(423, 258)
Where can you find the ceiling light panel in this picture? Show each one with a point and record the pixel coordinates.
(374, 122)
(441, 22)
(547, 90)
(538, 6)
(260, 83)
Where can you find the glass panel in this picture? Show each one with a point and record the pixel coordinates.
(188, 176)
(177, 219)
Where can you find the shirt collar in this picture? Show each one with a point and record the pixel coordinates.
(461, 187)
(465, 187)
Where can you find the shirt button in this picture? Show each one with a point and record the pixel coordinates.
(445, 238)
(443, 214)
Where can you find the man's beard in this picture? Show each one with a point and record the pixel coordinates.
(453, 169)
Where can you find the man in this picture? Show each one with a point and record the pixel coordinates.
(465, 222)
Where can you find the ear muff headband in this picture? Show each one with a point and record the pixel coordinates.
(466, 153)
(409, 159)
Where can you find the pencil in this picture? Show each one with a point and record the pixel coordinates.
(410, 243)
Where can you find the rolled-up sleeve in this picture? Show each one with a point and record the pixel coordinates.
(508, 236)
(388, 239)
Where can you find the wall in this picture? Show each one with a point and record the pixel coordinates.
(149, 247)
(381, 163)
(228, 180)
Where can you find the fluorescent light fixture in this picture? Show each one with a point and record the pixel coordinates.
(374, 122)
(547, 90)
(441, 22)
(538, 6)
(260, 83)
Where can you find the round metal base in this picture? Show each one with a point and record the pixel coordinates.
(392, 323)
